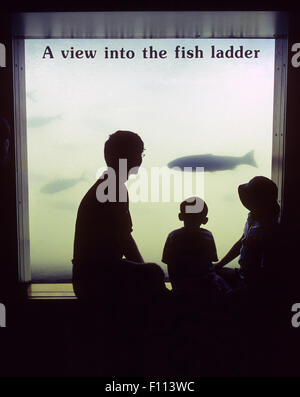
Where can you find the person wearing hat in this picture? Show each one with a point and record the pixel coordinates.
(256, 246)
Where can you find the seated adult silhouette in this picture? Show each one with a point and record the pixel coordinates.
(107, 263)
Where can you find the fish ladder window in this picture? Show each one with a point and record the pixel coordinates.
(195, 103)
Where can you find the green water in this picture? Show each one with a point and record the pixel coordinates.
(179, 107)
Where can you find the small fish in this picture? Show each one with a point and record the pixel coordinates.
(59, 185)
(30, 95)
(212, 163)
(35, 122)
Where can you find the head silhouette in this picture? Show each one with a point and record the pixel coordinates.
(4, 140)
(259, 196)
(193, 212)
(125, 145)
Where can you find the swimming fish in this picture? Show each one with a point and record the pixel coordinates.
(212, 163)
(30, 95)
(35, 122)
(59, 185)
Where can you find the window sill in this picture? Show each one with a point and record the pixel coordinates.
(51, 291)
(57, 291)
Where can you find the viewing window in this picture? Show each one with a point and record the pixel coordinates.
(210, 96)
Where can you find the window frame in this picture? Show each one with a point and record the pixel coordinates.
(22, 204)
(21, 166)
(279, 116)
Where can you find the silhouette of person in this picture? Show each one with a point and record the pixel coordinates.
(107, 263)
(257, 246)
(4, 168)
(190, 251)
(4, 142)
(7, 207)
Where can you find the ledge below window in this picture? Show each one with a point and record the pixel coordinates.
(56, 291)
(51, 291)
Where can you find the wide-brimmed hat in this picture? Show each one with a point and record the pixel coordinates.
(259, 192)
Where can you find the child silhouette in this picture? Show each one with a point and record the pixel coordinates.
(258, 246)
(190, 251)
